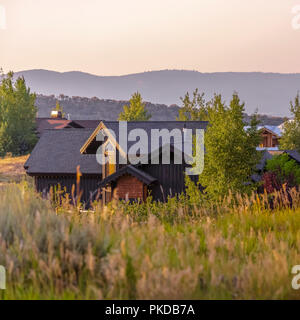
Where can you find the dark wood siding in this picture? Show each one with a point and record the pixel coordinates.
(170, 180)
(88, 184)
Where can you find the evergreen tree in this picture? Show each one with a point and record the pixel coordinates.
(17, 116)
(195, 109)
(135, 111)
(231, 156)
(290, 139)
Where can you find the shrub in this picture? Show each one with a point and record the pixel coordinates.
(281, 171)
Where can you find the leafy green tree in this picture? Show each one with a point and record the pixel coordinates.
(17, 116)
(135, 111)
(193, 109)
(290, 139)
(230, 150)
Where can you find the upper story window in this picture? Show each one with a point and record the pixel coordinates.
(110, 152)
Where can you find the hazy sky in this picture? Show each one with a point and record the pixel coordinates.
(113, 37)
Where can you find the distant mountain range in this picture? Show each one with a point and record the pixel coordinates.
(269, 92)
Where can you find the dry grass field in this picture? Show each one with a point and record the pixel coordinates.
(182, 249)
(12, 169)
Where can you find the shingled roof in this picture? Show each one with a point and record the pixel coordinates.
(58, 152)
(43, 124)
(88, 124)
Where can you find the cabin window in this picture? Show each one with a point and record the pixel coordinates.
(110, 166)
(111, 163)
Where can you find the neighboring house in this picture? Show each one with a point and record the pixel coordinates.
(270, 137)
(59, 152)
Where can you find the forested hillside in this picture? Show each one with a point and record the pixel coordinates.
(94, 108)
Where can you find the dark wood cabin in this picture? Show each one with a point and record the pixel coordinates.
(57, 154)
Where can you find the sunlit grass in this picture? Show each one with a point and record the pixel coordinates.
(12, 169)
(180, 250)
